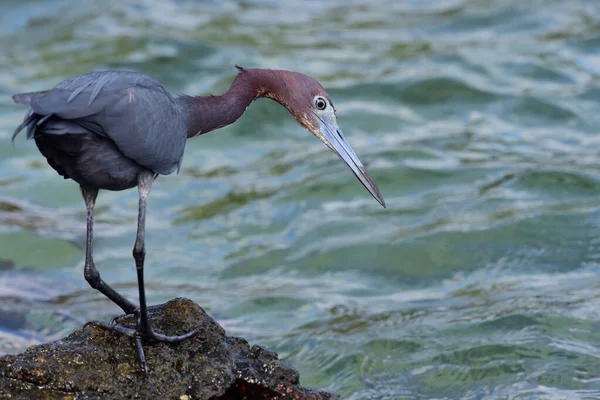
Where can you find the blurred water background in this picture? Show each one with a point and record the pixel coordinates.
(478, 119)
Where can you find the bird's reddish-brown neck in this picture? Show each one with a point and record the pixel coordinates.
(207, 113)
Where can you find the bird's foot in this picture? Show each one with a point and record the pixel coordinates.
(118, 318)
(142, 331)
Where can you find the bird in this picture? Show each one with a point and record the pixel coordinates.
(115, 130)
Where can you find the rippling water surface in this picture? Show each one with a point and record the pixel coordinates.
(478, 119)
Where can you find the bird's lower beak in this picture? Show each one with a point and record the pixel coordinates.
(332, 136)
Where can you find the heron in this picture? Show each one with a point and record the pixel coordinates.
(115, 130)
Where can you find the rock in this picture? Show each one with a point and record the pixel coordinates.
(93, 363)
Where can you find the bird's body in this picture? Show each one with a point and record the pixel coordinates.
(115, 130)
(102, 129)
(89, 159)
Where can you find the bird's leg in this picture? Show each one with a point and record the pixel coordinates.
(139, 249)
(145, 180)
(91, 274)
(144, 329)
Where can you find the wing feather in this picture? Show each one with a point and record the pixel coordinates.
(131, 109)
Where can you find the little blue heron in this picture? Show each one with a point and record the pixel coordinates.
(115, 130)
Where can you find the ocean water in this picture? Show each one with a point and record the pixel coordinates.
(478, 119)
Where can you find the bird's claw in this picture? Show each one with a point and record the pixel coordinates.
(143, 331)
(132, 333)
(140, 354)
(116, 319)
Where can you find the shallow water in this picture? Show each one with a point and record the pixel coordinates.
(477, 119)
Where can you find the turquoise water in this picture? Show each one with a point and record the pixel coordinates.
(477, 119)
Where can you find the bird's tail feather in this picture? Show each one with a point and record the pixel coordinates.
(30, 118)
(25, 98)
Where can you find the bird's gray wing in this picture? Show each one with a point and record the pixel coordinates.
(131, 109)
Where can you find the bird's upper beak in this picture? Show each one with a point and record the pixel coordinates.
(333, 137)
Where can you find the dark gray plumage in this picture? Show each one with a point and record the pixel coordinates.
(142, 121)
(115, 130)
(110, 130)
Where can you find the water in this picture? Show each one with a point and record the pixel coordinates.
(477, 119)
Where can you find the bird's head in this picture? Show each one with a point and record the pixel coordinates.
(308, 102)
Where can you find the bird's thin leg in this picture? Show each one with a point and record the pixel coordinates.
(145, 180)
(144, 329)
(139, 248)
(90, 272)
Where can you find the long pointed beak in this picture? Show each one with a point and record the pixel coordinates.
(333, 137)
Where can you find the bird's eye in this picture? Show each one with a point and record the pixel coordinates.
(320, 103)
